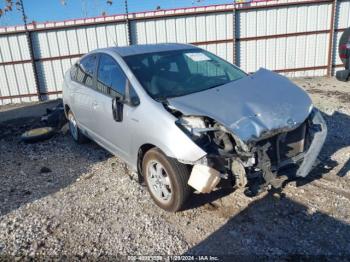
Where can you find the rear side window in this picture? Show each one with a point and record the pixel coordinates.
(85, 70)
(73, 72)
(110, 77)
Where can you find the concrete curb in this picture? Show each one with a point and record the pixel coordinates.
(37, 109)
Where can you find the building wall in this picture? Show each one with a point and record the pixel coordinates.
(290, 37)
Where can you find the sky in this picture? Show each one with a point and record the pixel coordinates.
(56, 10)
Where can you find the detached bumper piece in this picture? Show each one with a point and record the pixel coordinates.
(203, 178)
(319, 133)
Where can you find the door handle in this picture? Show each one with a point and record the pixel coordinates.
(94, 105)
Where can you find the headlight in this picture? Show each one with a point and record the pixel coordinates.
(191, 122)
(195, 125)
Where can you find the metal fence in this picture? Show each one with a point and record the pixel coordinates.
(296, 38)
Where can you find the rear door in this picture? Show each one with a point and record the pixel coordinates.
(84, 81)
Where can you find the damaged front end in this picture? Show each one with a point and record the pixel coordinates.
(257, 151)
(258, 165)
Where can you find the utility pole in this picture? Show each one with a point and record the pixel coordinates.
(234, 58)
(20, 6)
(127, 22)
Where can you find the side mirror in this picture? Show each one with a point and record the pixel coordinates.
(117, 109)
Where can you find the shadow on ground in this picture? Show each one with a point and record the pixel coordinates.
(337, 139)
(198, 200)
(29, 172)
(277, 227)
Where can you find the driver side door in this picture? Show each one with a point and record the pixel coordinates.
(111, 83)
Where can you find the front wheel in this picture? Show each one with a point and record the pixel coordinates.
(166, 180)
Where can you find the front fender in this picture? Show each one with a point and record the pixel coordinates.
(170, 139)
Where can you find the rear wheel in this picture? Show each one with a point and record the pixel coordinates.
(74, 130)
(166, 180)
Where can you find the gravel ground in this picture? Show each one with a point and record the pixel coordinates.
(60, 199)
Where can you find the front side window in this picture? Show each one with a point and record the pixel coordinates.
(85, 70)
(110, 77)
(181, 72)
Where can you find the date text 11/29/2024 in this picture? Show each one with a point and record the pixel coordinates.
(173, 258)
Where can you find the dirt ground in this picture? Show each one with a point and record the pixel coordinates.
(60, 199)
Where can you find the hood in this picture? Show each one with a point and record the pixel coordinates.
(252, 108)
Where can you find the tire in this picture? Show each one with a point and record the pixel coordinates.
(173, 176)
(37, 134)
(74, 130)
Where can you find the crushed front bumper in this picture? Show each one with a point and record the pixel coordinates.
(271, 158)
(297, 149)
(319, 133)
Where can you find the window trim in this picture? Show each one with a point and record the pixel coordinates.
(77, 64)
(128, 84)
(109, 89)
(95, 77)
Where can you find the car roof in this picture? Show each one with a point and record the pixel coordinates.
(151, 48)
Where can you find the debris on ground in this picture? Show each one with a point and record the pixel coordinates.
(39, 129)
(55, 117)
(38, 134)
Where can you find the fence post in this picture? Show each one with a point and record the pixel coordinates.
(234, 35)
(127, 22)
(331, 38)
(31, 52)
(32, 60)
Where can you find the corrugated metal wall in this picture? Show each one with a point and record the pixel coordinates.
(202, 28)
(291, 37)
(16, 73)
(56, 51)
(287, 47)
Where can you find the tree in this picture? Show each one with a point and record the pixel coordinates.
(8, 6)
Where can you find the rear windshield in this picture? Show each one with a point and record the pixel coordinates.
(181, 72)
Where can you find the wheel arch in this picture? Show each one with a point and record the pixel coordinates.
(143, 149)
(140, 155)
(66, 109)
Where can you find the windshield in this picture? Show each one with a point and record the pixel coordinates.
(181, 72)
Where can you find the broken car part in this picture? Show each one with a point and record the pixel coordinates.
(55, 117)
(53, 121)
(203, 178)
(273, 127)
(239, 172)
(37, 134)
(252, 107)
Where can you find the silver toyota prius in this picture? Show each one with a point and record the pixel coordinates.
(187, 120)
